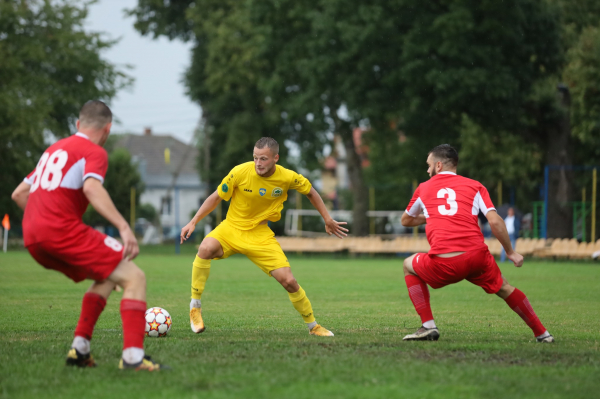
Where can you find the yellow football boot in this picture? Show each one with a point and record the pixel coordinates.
(320, 331)
(196, 321)
(146, 364)
(74, 358)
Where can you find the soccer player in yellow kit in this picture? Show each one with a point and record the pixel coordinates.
(257, 191)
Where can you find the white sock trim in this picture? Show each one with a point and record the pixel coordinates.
(195, 303)
(82, 345)
(429, 324)
(133, 355)
(311, 325)
(544, 335)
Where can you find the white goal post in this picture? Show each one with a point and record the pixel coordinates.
(293, 227)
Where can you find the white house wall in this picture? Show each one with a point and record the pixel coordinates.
(189, 201)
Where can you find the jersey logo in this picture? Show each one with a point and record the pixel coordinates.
(247, 190)
(418, 256)
(262, 191)
(277, 191)
(225, 188)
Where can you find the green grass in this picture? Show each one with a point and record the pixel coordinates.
(256, 345)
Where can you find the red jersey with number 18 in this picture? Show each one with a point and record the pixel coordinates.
(451, 204)
(56, 201)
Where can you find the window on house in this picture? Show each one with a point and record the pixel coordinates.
(165, 207)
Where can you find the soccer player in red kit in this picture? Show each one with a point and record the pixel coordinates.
(449, 204)
(54, 196)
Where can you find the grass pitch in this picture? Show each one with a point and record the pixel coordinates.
(256, 345)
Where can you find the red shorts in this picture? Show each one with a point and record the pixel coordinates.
(479, 267)
(88, 254)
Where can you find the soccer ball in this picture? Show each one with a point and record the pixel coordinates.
(158, 322)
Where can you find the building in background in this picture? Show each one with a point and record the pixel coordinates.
(168, 169)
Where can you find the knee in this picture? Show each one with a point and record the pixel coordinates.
(290, 284)
(205, 252)
(208, 250)
(407, 265)
(137, 279)
(141, 278)
(505, 290)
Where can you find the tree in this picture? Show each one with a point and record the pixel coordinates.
(50, 67)
(567, 115)
(464, 78)
(266, 67)
(582, 75)
(430, 73)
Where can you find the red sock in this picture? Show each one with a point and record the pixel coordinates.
(419, 295)
(518, 302)
(132, 315)
(92, 306)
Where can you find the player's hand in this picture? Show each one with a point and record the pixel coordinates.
(335, 227)
(130, 244)
(187, 231)
(516, 258)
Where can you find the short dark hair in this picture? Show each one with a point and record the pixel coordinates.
(95, 113)
(268, 142)
(446, 154)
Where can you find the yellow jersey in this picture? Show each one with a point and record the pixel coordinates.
(254, 198)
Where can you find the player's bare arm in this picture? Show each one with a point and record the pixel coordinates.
(412, 221)
(103, 204)
(331, 226)
(21, 194)
(499, 230)
(207, 207)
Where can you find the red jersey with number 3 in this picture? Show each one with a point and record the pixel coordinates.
(451, 204)
(56, 201)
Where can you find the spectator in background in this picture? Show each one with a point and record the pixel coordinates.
(512, 227)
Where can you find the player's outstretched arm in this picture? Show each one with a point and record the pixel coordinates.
(331, 226)
(499, 230)
(100, 200)
(207, 207)
(21, 194)
(412, 221)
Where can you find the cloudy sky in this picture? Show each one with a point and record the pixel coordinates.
(157, 98)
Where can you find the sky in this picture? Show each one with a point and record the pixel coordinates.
(157, 97)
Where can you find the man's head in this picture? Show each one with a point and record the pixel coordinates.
(266, 155)
(442, 158)
(511, 212)
(95, 119)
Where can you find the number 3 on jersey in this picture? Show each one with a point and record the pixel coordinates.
(451, 201)
(48, 172)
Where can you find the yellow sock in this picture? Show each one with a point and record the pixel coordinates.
(200, 272)
(302, 305)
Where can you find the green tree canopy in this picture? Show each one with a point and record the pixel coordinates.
(482, 75)
(300, 71)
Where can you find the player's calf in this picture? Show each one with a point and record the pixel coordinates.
(519, 303)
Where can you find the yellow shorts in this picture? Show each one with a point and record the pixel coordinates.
(258, 244)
